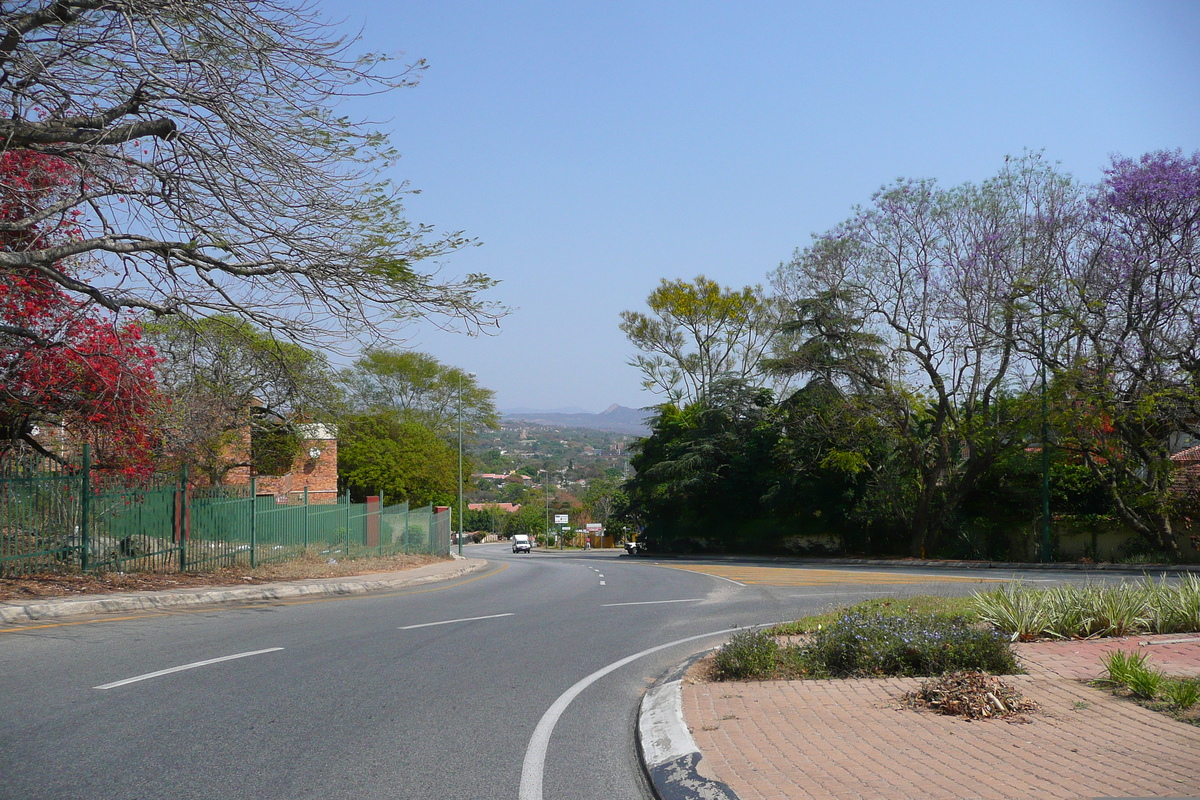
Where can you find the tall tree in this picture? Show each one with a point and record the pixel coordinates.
(213, 171)
(381, 452)
(1128, 368)
(704, 475)
(604, 500)
(943, 285)
(421, 388)
(698, 332)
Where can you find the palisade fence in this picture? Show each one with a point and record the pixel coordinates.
(54, 517)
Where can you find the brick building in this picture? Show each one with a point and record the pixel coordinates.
(314, 468)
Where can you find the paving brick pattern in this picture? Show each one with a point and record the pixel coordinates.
(786, 740)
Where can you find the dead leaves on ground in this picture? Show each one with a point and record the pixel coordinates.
(971, 695)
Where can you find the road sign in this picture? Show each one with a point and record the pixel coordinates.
(560, 519)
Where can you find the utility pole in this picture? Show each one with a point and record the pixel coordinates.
(1045, 435)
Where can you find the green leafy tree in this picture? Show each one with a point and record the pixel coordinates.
(698, 332)
(604, 501)
(704, 475)
(224, 374)
(489, 519)
(422, 389)
(530, 519)
(382, 452)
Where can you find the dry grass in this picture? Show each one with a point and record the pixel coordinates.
(63, 584)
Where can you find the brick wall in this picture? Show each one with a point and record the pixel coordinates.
(319, 475)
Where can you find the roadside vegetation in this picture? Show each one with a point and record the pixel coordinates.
(1130, 674)
(841, 411)
(1091, 610)
(928, 636)
(878, 638)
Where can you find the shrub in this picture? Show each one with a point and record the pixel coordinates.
(866, 645)
(1118, 610)
(1178, 605)
(1093, 610)
(1131, 671)
(1120, 664)
(1183, 694)
(1015, 610)
(748, 655)
(1145, 683)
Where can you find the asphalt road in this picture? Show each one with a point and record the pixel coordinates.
(521, 682)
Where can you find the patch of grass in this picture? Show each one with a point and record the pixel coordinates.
(1182, 693)
(1145, 683)
(1120, 666)
(1131, 675)
(748, 655)
(894, 606)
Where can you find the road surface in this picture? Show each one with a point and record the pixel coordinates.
(520, 682)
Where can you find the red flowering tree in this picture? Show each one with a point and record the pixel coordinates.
(64, 366)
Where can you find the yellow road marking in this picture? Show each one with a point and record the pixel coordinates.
(173, 611)
(787, 576)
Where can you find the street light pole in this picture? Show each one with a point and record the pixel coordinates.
(1045, 436)
(460, 461)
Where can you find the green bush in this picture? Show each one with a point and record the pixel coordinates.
(1183, 694)
(872, 644)
(1145, 683)
(1121, 664)
(1091, 610)
(748, 655)
(1132, 671)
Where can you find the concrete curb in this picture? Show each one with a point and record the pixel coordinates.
(668, 751)
(58, 608)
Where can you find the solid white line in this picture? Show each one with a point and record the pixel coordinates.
(533, 769)
(697, 572)
(449, 621)
(654, 602)
(718, 577)
(205, 663)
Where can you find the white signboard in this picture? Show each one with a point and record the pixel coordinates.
(594, 527)
(560, 519)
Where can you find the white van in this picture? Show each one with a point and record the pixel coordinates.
(521, 543)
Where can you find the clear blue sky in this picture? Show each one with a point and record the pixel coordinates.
(595, 148)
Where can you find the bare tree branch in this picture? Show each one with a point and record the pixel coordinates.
(214, 175)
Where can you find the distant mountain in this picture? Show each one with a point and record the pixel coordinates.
(507, 412)
(614, 419)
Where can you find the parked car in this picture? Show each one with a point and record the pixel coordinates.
(521, 543)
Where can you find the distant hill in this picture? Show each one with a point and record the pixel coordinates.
(614, 419)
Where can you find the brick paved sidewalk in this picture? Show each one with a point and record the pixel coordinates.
(786, 740)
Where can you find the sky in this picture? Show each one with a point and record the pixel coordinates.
(594, 149)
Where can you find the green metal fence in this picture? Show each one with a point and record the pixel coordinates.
(54, 517)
